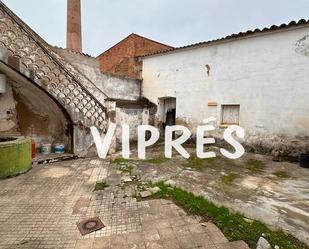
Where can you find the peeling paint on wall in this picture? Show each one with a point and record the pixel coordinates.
(207, 69)
(40, 117)
(302, 46)
(263, 74)
(114, 86)
(8, 115)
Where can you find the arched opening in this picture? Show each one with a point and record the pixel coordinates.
(29, 110)
(40, 117)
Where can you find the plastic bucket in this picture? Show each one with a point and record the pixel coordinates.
(46, 149)
(304, 160)
(59, 148)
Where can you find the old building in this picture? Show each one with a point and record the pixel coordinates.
(54, 95)
(122, 58)
(44, 96)
(257, 79)
(50, 95)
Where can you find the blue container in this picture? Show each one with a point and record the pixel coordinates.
(59, 148)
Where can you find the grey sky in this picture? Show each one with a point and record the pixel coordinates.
(174, 22)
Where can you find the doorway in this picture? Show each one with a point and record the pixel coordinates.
(170, 117)
(167, 109)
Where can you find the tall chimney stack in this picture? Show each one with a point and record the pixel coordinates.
(74, 26)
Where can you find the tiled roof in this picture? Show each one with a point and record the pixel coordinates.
(132, 36)
(231, 37)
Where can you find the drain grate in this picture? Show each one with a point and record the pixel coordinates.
(90, 225)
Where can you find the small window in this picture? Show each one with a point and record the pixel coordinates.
(230, 114)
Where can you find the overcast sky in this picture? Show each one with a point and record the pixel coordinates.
(174, 22)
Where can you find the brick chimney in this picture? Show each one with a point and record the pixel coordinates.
(74, 27)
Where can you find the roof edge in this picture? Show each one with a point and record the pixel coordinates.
(129, 36)
(236, 36)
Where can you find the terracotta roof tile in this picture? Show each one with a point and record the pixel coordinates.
(237, 35)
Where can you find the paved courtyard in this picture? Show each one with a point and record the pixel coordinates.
(274, 192)
(40, 209)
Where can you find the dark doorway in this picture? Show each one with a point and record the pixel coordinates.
(170, 118)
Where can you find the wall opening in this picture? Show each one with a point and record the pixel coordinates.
(230, 114)
(38, 116)
(167, 111)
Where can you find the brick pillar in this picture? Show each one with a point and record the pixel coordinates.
(74, 27)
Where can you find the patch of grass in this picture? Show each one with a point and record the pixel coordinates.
(126, 168)
(100, 186)
(255, 166)
(125, 165)
(158, 160)
(198, 163)
(233, 225)
(282, 174)
(229, 179)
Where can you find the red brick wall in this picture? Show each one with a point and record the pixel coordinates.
(121, 59)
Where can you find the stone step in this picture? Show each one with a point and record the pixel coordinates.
(239, 245)
(233, 245)
(220, 240)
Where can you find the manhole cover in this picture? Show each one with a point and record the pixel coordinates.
(89, 226)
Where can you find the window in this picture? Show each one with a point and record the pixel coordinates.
(230, 114)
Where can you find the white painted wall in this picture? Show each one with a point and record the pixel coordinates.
(268, 75)
(130, 116)
(114, 86)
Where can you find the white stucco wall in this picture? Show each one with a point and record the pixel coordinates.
(113, 86)
(268, 75)
(130, 116)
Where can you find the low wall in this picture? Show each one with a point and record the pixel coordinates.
(15, 157)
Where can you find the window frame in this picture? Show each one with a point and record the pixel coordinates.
(226, 105)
